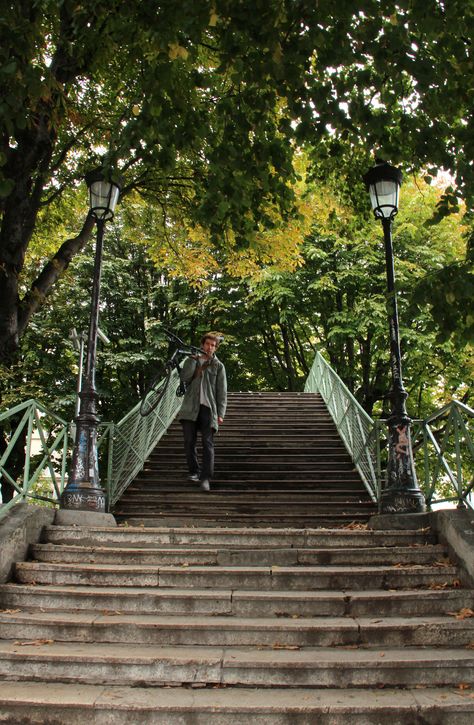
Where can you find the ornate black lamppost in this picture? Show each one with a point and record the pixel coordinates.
(83, 491)
(401, 494)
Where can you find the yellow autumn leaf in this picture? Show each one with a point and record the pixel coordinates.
(177, 51)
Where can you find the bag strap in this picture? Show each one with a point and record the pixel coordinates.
(200, 369)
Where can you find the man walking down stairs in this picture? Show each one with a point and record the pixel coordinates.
(272, 601)
(279, 462)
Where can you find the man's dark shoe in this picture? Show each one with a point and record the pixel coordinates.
(205, 486)
(193, 477)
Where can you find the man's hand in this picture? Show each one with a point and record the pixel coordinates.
(220, 420)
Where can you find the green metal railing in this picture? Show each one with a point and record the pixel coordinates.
(48, 440)
(444, 453)
(42, 471)
(354, 425)
(132, 440)
(443, 443)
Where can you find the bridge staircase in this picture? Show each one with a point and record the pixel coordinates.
(269, 598)
(279, 462)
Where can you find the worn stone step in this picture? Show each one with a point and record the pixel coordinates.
(233, 494)
(201, 520)
(152, 665)
(258, 481)
(56, 704)
(309, 442)
(235, 602)
(337, 462)
(257, 500)
(116, 627)
(241, 454)
(242, 537)
(239, 577)
(201, 508)
(289, 556)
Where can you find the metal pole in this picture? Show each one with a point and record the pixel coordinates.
(79, 373)
(401, 493)
(83, 491)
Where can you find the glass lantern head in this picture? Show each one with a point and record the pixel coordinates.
(383, 183)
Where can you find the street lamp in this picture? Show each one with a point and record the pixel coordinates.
(401, 493)
(83, 491)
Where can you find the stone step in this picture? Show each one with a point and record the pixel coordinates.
(186, 486)
(263, 481)
(191, 508)
(203, 520)
(236, 488)
(265, 478)
(259, 500)
(153, 520)
(77, 704)
(152, 665)
(225, 631)
(235, 602)
(239, 577)
(241, 457)
(242, 537)
(277, 468)
(240, 557)
(199, 502)
(223, 439)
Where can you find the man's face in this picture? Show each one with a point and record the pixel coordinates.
(209, 347)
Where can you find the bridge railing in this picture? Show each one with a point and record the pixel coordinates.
(41, 442)
(355, 426)
(132, 440)
(33, 461)
(443, 444)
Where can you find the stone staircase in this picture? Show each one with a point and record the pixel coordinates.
(279, 462)
(238, 618)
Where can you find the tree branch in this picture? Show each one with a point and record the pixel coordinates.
(51, 272)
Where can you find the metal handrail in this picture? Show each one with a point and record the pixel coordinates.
(134, 437)
(53, 443)
(443, 443)
(444, 448)
(355, 426)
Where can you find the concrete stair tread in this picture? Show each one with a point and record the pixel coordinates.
(233, 555)
(433, 549)
(125, 530)
(219, 706)
(268, 657)
(236, 631)
(342, 599)
(448, 570)
(240, 577)
(281, 623)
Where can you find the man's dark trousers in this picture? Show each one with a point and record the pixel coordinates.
(190, 430)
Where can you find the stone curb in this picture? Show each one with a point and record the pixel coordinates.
(21, 527)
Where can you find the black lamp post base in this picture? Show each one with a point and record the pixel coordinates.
(402, 501)
(83, 498)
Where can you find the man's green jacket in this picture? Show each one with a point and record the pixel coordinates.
(214, 381)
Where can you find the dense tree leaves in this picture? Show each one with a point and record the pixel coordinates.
(273, 316)
(201, 104)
